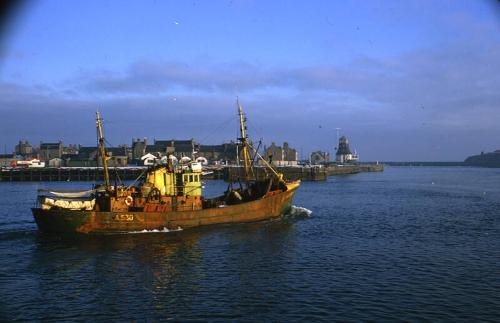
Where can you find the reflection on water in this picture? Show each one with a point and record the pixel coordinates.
(407, 244)
(163, 273)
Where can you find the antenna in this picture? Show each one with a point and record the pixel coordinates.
(337, 142)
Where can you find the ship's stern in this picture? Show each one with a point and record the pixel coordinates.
(61, 221)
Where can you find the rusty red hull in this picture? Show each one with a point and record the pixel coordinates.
(117, 222)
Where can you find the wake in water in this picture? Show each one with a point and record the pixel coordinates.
(298, 211)
(164, 230)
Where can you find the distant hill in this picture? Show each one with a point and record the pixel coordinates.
(484, 159)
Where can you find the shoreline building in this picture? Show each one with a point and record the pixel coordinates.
(88, 157)
(24, 149)
(214, 154)
(344, 154)
(85, 157)
(6, 160)
(138, 149)
(319, 157)
(50, 150)
(281, 156)
(178, 148)
(224, 154)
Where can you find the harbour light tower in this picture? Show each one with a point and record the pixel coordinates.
(344, 154)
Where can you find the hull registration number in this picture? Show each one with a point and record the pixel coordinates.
(124, 217)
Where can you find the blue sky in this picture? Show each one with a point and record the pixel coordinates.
(404, 80)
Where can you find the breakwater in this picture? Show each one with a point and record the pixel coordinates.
(52, 174)
(231, 174)
(71, 174)
(333, 169)
(228, 173)
(314, 173)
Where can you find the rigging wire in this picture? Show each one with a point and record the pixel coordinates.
(139, 177)
(215, 130)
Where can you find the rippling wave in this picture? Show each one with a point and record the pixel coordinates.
(164, 230)
(387, 246)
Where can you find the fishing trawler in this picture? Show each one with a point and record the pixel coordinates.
(167, 197)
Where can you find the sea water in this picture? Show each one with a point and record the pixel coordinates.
(411, 244)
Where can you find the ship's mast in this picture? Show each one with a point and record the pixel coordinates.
(244, 142)
(102, 150)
